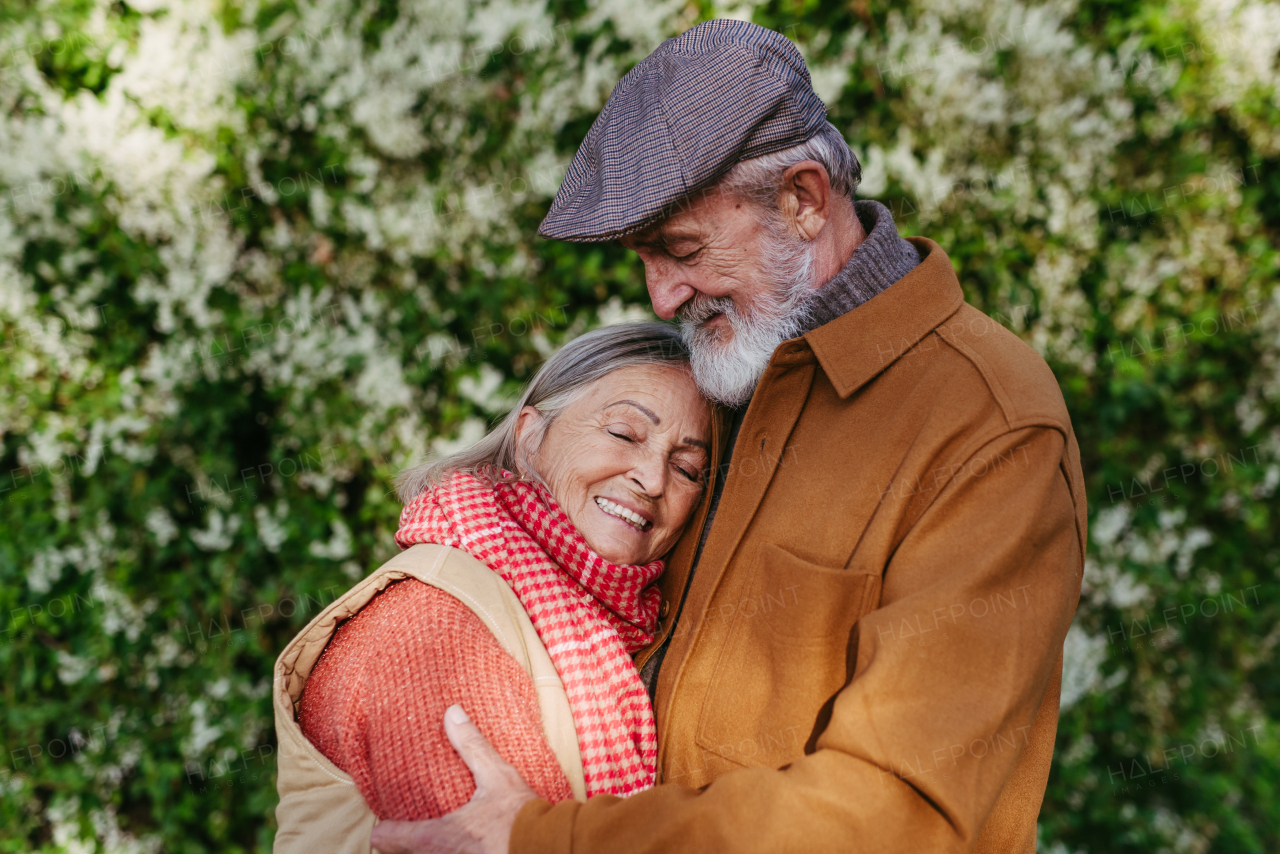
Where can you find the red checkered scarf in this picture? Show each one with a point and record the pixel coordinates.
(591, 614)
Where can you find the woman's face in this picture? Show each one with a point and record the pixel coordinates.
(627, 460)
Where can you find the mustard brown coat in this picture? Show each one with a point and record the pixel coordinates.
(869, 655)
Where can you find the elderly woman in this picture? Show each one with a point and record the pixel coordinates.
(523, 590)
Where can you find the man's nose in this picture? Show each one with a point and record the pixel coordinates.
(667, 290)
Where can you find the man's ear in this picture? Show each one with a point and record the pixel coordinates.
(806, 197)
(530, 427)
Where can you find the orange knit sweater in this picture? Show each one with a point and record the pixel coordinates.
(375, 704)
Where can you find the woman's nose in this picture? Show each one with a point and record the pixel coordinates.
(649, 474)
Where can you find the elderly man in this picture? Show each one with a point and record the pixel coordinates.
(863, 649)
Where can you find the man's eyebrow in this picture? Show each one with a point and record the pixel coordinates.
(646, 410)
(662, 238)
(651, 242)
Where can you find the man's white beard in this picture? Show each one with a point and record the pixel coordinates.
(727, 371)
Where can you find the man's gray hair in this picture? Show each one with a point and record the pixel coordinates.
(759, 179)
(558, 383)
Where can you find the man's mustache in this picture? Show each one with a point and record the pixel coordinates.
(701, 308)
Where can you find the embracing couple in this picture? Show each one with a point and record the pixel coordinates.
(793, 575)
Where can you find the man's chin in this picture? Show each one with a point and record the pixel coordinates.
(716, 348)
(720, 376)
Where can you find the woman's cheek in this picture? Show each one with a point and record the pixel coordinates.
(688, 501)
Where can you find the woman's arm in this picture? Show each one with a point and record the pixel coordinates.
(376, 699)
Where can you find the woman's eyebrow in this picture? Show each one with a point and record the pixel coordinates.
(646, 410)
(697, 443)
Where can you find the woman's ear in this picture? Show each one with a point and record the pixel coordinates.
(530, 427)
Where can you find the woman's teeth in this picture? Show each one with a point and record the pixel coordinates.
(633, 519)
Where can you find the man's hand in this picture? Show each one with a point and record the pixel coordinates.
(483, 826)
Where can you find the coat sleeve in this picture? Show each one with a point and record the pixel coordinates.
(922, 738)
(376, 699)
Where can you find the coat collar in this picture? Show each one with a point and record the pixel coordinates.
(858, 345)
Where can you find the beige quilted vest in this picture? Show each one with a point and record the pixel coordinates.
(320, 807)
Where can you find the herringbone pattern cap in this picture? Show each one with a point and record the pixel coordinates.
(723, 92)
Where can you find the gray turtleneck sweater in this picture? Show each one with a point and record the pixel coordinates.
(878, 261)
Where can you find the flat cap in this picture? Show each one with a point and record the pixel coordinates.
(722, 92)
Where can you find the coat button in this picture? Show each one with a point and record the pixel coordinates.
(665, 609)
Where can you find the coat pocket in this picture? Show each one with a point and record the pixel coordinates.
(783, 658)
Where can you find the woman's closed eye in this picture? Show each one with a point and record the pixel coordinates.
(688, 465)
(691, 474)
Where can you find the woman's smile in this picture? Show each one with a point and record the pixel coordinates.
(633, 518)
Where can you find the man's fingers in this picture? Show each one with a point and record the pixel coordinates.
(445, 835)
(395, 837)
(483, 824)
(471, 745)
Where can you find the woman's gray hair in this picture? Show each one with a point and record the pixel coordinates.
(759, 179)
(560, 381)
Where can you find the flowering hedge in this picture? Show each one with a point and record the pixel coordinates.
(256, 256)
